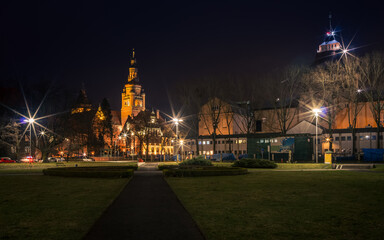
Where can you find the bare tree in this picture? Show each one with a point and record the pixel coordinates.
(352, 93)
(228, 113)
(193, 96)
(322, 89)
(283, 94)
(210, 115)
(372, 68)
(248, 95)
(10, 137)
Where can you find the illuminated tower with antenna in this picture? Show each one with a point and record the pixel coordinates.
(330, 46)
(133, 96)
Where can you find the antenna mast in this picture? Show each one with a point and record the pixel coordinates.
(330, 21)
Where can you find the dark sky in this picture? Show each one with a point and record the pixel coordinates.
(90, 41)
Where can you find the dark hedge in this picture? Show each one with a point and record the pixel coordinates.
(203, 172)
(196, 162)
(254, 163)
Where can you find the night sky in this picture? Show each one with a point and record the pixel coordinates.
(91, 41)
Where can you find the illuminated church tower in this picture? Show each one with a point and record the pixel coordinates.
(133, 96)
(330, 48)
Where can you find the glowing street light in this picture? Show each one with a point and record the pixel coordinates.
(177, 121)
(31, 119)
(316, 111)
(30, 122)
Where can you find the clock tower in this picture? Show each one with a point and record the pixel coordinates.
(133, 96)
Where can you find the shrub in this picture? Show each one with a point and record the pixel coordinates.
(254, 163)
(167, 166)
(200, 157)
(91, 172)
(204, 172)
(196, 162)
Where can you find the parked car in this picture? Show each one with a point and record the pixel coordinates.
(27, 159)
(88, 159)
(6, 160)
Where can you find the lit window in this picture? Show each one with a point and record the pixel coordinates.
(200, 144)
(211, 152)
(203, 142)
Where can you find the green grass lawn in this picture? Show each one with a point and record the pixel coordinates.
(303, 166)
(38, 167)
(379, 167)
(43, 207)
(286, 205)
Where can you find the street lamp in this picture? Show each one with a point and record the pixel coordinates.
(177, 121)
(316, 111)
(30, 121)
(182, 149)
(133, 140)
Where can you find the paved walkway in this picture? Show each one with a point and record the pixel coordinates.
(146, 209)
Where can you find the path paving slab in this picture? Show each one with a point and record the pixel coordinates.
(146, 209)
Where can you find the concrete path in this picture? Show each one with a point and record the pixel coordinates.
(146, 209)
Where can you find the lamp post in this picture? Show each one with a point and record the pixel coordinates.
(316, 111)
(31, 121)
(126, 148)
(182, 149)
(134, 144)
(177, 121)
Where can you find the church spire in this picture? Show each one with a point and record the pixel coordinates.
(133, 59)
(133, 78)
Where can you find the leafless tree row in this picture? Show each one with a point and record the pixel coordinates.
(345, 85)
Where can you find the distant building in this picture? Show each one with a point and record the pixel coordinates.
(330, 48)
(133, 96)
(82, 103)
